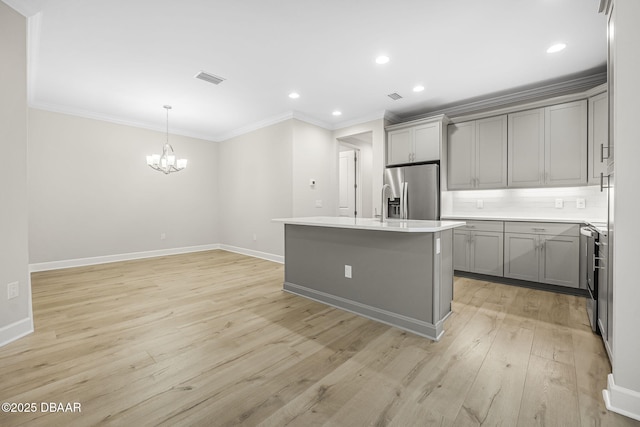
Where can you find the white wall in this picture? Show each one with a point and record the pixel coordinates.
(15, 314)
(527, 202)
(315, 155)
(91, 193)
(255, 175)
(625, 392)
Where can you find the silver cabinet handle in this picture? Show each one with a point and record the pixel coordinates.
(602, 186)
(602, 157)
(538, 229)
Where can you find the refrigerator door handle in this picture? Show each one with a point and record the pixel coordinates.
(405, 204)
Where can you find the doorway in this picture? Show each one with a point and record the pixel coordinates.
(348, 181)
(355, 158)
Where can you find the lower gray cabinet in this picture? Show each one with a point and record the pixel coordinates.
(542, 252)
(478, 247)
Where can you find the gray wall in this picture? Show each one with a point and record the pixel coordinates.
(315, 156)
(255, 186)
(91, 193)
(15, 314)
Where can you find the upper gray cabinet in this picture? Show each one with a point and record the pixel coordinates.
(415, 142)
(548, 146)
(598, 137)
(477, 154)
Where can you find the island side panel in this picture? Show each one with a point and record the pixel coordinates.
(446, 273)
(391, 271)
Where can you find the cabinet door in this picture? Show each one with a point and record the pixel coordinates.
(526, 148)
(560, 260)
(487, 253)
(461, 250)
(399, 146)
(426, 142)
(566, 144)
(491, 152)
(598, 137)
(461, 156)
(521, 256)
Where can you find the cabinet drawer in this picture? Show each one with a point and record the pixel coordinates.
(547, 228)
(473, 225)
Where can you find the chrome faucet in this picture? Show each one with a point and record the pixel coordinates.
(382, 203)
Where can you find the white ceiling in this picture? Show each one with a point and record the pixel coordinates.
(122, 60)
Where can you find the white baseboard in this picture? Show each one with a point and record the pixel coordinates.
(255, 254)
(15, 331)
(82, 262)
(621, 400)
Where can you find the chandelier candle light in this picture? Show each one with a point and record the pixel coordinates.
(166, 163)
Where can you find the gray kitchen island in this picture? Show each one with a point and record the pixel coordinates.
(399, 272)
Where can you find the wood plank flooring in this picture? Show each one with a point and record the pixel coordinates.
(211, 339)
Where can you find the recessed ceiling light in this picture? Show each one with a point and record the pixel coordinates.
(294, 95)
(556, 48)
(382, 59)
(337, 113)
(418, 88)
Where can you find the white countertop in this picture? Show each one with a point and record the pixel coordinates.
(406, 226)
(531, 219)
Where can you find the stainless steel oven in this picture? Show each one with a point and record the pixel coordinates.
(589, 251)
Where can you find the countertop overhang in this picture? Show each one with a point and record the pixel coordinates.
(404, 226)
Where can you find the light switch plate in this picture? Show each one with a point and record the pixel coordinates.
(347, 271)
(13, 290)
(580, 203)
(559, 203)
(318, 203)
(479, 203)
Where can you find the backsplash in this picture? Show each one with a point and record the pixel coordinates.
(527, 203)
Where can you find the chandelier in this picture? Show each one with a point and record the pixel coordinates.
(166, 162)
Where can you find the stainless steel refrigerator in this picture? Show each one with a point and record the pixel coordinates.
(414, 191)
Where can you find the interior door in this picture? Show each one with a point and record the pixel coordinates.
(347, 184)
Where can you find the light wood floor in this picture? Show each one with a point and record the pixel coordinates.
(210, 339)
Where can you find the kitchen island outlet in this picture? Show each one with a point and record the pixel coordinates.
(399, 272)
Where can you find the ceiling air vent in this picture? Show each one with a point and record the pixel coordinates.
(207, 77)
(394, 96)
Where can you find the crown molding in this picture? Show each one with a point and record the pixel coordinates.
(26, 8)
(516, 97)
(256, 125)
(115, 120)
(364, 119)
(311, 120)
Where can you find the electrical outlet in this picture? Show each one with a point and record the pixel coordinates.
(318, 203)
(580, 204)
(163, 236)
(559, 203)
(479, 203)
(347, 271)
(13, 290)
